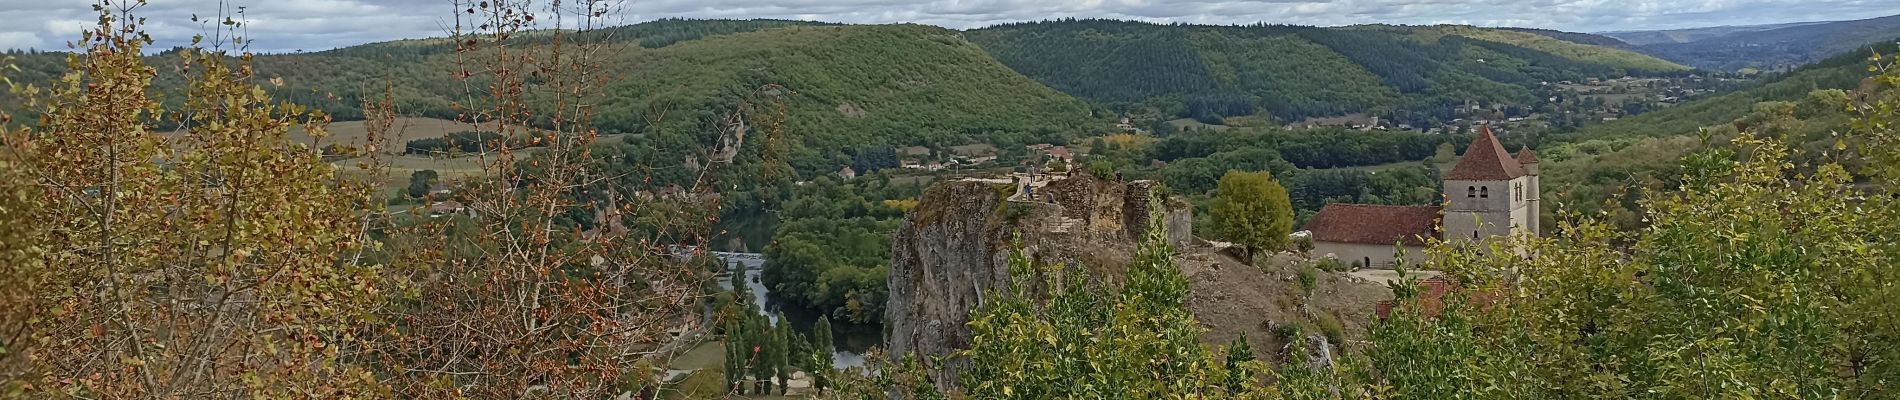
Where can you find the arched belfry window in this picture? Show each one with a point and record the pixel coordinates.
(1471, 191)
(1484, 192)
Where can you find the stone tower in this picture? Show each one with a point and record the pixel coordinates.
(1532, 191)
(1491, 193)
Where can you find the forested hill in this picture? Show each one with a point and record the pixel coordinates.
(1295, 72)
(856, 87)
(1641, 155)
(1772, 47)
(848, 88)
(1842, 71)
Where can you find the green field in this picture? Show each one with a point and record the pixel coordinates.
(404, 129)
(1185, 123)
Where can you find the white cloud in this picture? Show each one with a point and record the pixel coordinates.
(288, 25)
(20, 40)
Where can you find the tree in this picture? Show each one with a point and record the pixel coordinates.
(420, 181)
(216, 263)
(1252, 210)
(782, 339)
(822, 351)
(1239, 353)
(514, 301)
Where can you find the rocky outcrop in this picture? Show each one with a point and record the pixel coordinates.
(945, 256)
(953, 249)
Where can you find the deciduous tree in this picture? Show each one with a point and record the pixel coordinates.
(1252, 210)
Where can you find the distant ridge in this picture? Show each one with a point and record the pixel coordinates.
(1766, 47)
(1295, 72)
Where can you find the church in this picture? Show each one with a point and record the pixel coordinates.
(1488, 194)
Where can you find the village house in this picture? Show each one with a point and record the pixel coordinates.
(446, 208)
(970, 154)
(1490, 194)
(1349, 121)
(1061, 153)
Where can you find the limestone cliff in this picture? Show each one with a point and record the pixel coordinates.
(945, 256)
(954, 248)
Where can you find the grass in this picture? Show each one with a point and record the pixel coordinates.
(1185, 123)
(405, 129)
(401, 166)
(708, 355)
(701, 384)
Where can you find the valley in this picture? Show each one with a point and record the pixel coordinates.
(1065, 208)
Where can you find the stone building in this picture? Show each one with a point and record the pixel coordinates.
(1489, 194)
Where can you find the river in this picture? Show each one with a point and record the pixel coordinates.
(850, 341)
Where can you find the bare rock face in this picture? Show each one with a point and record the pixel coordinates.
(954, 249)
(1319, 354)
(945, 256)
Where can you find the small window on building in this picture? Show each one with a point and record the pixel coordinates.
(1474, 234)
(1471, 191)
(1484, 192)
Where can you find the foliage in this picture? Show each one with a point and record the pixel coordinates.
(819, 366)
(215, 263)
(275, 274)
(831, 250)
(462, 142)
(1308, 278)
(1608, 169)
(1252, 210)
(1140, 343)
(420, 181)
(1239, 355)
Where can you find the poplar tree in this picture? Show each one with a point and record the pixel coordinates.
(821, 354)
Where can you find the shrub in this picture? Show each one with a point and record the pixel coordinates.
(1329, 264)
(1329, 325)
(1309, 278)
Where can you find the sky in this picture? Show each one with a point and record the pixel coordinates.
(292, 25)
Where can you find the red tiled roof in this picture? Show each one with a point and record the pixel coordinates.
(1432, 292)
(1485, 160)
(1526, 156)
(1375, 224)
(1431, 298)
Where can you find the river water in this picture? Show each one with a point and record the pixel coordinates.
(850, 341)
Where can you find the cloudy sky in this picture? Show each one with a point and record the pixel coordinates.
(289, 25)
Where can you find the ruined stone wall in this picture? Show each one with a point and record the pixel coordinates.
(1110, 209)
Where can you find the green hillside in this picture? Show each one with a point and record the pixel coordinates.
(1296, 72)
(1769, 47)
(1587, 170)
(855, 87)
(1842, 71)
(1551, 42)
(846, 88)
